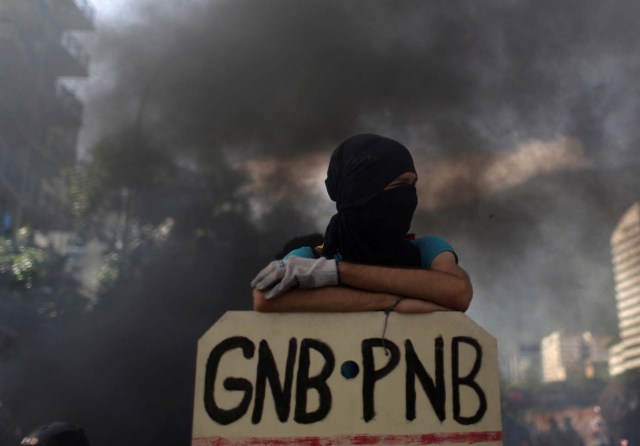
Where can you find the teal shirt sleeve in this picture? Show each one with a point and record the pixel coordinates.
(304, 252)
(430, 247)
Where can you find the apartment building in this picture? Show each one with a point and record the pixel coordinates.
(39, 116)
(625, 250)
(567, 356)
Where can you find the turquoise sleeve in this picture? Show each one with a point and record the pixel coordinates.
(304, 252)
(430, 247)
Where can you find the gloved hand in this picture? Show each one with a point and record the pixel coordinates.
(284, 275)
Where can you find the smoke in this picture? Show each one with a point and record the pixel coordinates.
(281, 78)
(539, 254)
(462, 85)
(487, 95)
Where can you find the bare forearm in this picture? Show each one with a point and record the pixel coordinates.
(339, 299)
(445, 286)
(407, 306)
(329, 299)
(449, 291)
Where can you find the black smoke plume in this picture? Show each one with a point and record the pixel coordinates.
(220, 83)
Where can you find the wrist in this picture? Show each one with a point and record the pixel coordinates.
(341, 268)
(376, 301)
(393, 306)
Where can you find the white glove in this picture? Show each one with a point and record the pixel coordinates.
(296, 272)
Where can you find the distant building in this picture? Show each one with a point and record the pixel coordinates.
(39, 116)
(572, 356)
(560, 356)
(625, 250)
(523, 367)
(597, 360)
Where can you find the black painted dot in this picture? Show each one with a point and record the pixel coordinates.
(349, 369)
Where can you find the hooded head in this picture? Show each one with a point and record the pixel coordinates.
(371, 220)
(362, 166)
(56, 434)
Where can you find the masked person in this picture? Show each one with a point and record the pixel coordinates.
(368, 261)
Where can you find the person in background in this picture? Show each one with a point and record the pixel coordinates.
(56, 434)
(368, 260)
(310, 240)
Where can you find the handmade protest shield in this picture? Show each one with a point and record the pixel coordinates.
(333, 379)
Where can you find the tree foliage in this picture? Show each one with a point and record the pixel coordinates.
(20, 264)
(124, 170)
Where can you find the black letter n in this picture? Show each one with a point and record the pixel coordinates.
(268, 371)
(435, 390)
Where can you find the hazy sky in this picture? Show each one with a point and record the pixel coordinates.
(110, 10)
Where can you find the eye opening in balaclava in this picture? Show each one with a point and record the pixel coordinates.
(371, 222)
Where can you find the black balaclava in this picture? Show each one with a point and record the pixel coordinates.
(371, 222)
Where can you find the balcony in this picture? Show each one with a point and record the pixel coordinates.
(76, 15)
(9, 37)
(75, 49)
(69, 57)
(66, 109)
(12, 171)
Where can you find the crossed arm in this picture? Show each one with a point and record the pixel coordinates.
(444, 287)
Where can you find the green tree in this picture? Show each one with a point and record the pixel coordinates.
(118, 188)
(20, 264)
